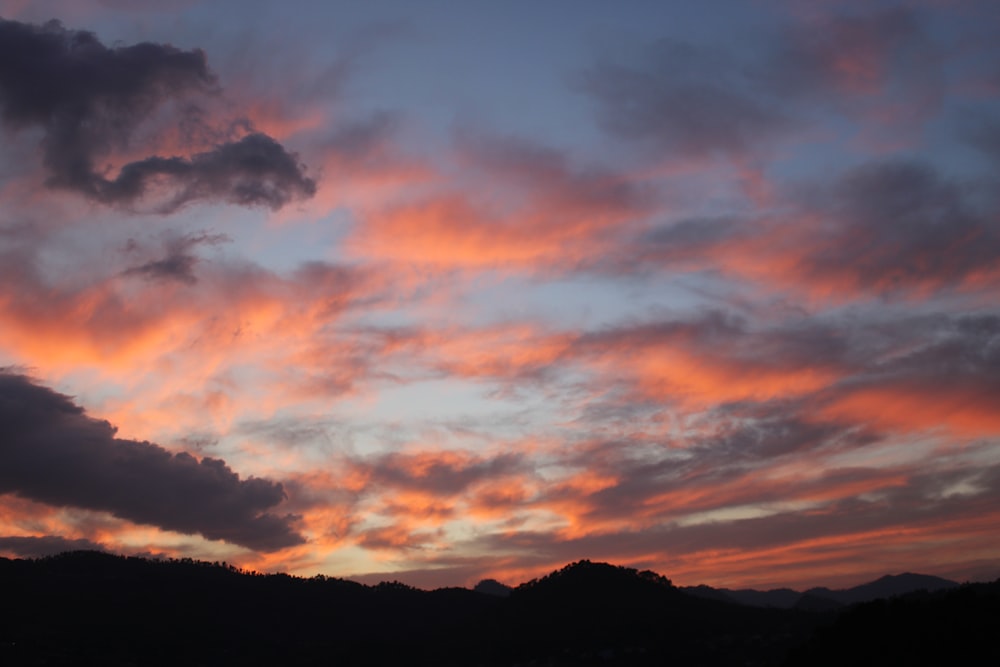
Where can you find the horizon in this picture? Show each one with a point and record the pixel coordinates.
(472, 292)
(372, 579)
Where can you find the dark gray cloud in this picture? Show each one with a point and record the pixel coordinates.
(355, 143)
(392, 538)
(695, 101)
(551, 175)
(686, 237)
(953, 357)
(179, 261)
(886, 227)
(945, 349)
(857, 54)
(89, 100)
(900, 224)
(52, 452)
(920, 500)
(945, 366)
(982, 132)
(729, 338)
(440, 473)
(253, 171)
(46, 545)
(679, 245)
(686, 99)
(924, 501)
(711, 471)
(952, 363)
(292, 432)
(757, 433)
(707, 327)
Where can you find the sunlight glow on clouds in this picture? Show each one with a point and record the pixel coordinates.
(734, 320)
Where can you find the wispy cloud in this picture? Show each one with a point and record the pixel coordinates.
(709, 292)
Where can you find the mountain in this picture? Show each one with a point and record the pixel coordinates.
(885, 587)
(493, 587)
(598, 613)
(824, 599)
(89, 607)
(950, 626)
(782, 598)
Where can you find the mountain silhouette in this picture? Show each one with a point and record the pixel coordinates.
(951, 626)
(822, 598)
(885, 587)
(90, 607)
(493, 587)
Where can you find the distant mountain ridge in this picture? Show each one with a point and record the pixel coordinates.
(821, 598)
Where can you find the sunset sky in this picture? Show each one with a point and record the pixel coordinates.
(439, 291)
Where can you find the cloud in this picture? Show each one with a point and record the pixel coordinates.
(900, 225)
(850, 521)
(238, 328)
(136, 307)
(935, 372)
(51, 451)
(714, 515)
(253, 171)
(508, 354)
(179, 262)
(404, 500)
(888, 228)
(855, 54)
(517, 204)
(878, 68)
(46, 545)
(441, 473)
(904, 372)
(982, 132)
(89, 100)
(688, 100)
(883, 69)
(712, 357)
(394, 538)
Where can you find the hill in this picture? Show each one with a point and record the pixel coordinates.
(89, 607)
(951, 626)
(821, 598)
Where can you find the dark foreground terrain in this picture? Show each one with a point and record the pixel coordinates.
(94, 608)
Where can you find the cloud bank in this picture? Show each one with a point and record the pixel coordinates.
(53, 452)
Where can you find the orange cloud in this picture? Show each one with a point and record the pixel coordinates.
(964, 411)
(198, 339)
(524, 207)
(844, 559)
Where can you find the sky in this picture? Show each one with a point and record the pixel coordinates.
(444, 291)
